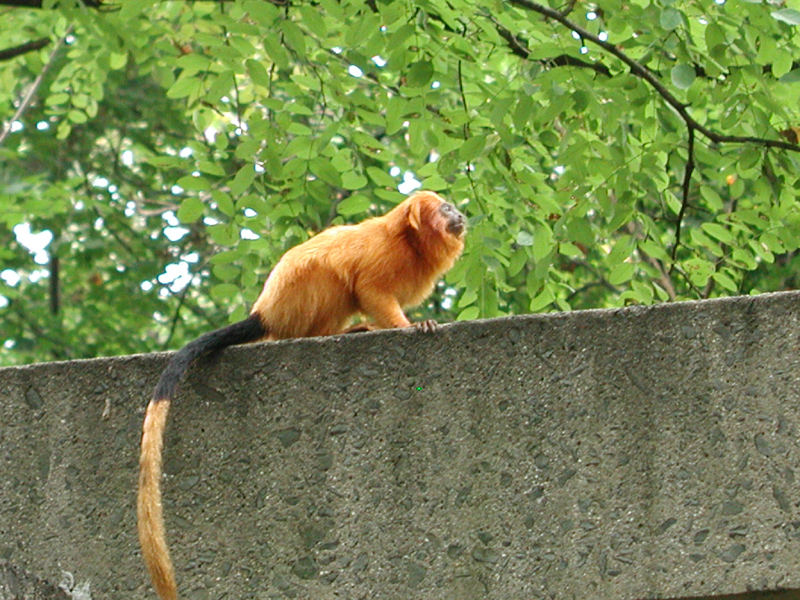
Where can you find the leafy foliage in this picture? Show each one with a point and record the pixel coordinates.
(606, 153)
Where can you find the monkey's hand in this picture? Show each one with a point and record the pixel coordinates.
(428, 325)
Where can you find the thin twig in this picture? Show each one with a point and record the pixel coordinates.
(643, 72)
(10, 53)
(467, 132)
(520, 47)
(176, 317)
(687, 179)
(26, 102)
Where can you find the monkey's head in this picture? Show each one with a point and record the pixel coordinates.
(456, 221)
(429, 210)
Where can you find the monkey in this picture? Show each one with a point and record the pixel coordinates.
(375, 269)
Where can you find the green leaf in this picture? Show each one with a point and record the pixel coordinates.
(698, 270)
(276, 52)
(395, 113)
(193, 184)
(352, 180)
(221, 86)
(792, 76)
(299, 129)
(381, 177)
(164, 161)
(542, 242)
(701, 240)
(131, 9)
(715, 35)
(294, 37)
(544, 299)
(621, 250)
(621, 273)
(355, 204)
(719, 232)
(468, 297)
(313, 20)
(224, 202)
(190, 210)
(226, 272)
(713, 199)
(56, 99)
(743, 257)
(420, 73)
(244, 177)
(781, 63)
(263, 12)
(211, 168)
(223, 292)
(186, 86)
(523, 112)
(683, 76)
(773, 242)
(469, 314)
(258, 72)
(472, 148)
(787, 15)
(750, 157)
(670, 18)
(762, 252)
(524, 238)
(322, 168)
(726, 282)
(224, 234)
(80, 100)
(435, 183)
(77, 116)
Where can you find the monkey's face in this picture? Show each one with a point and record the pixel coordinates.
(456, 222)
(430, 214)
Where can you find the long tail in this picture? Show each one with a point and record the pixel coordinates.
(151, 519)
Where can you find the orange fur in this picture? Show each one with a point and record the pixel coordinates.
(375, 268)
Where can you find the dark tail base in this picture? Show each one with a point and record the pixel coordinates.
(250, 329)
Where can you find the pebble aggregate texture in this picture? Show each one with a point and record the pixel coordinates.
(626, 454)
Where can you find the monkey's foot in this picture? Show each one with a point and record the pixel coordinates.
(428, 325)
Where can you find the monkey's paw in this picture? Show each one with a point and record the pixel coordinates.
(428, 325)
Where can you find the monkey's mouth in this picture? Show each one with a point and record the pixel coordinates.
(457, 225)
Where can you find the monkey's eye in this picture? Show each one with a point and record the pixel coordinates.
(446, 207)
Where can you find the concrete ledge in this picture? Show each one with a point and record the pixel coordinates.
(16, 584)
(629, 454)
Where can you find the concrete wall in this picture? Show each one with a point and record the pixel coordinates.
(638, 453)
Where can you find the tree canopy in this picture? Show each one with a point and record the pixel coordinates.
(156, 158)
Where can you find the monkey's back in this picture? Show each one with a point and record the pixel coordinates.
(311, 289)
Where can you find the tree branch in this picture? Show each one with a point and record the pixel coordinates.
(687, 179)
(99, 3)
(520, 47)
(22, 3)
(38, 3)
(176, 318)
(26, 102)
(644, 73)
(10, 53)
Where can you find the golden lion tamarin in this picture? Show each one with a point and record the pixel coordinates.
(375, 268)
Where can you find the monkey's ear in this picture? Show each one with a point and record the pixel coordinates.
(414, 215)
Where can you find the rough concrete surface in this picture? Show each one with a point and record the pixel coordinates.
(627, 454)
(16, 584)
